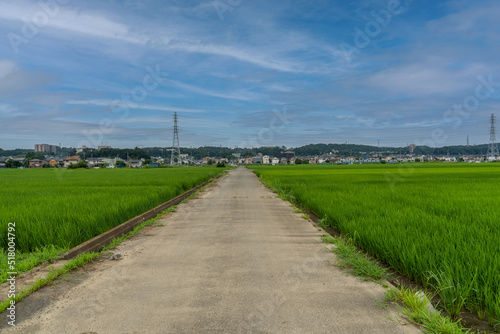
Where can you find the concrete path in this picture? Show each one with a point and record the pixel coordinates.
(235, 260)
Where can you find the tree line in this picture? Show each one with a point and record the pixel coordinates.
(230, 153)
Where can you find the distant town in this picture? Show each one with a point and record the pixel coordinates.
(53, 156)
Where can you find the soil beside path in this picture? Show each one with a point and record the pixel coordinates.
(234, 260)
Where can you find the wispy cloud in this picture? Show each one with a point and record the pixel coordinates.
(431, 77)
(241, 95)
(110, 103)
(17, 80)
(7, 110)
(67, 20)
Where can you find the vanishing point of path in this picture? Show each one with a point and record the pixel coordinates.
(234, 260)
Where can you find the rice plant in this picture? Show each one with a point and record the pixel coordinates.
(54, 210)
(438, 224)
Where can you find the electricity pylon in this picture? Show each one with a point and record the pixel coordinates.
(176, 151)
(492, 148)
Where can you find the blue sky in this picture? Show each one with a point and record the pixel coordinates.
(248, 73)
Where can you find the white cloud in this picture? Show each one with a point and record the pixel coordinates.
(427, 78)
(466, 21)
(7, 110)
(6, 67)
(254, 56)
(242, 95)
(14, 79)
(67, 20)
(109, 103)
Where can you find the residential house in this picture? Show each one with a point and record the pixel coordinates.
(347, 161)
(135, 163)
(94, 162)
(207, 159)
(335, 160)
(54, 163)
(71, 160)
(275, 161)
(108, 161)
(36, 163)
(452, 159)
(288, 154)
(265, 160)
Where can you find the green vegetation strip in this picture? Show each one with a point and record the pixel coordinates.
(349, 257)
(416, 309)
(436, 224)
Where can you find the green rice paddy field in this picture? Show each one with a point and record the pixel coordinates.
(438, 224)
(56, 209)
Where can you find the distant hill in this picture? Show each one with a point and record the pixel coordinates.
(319, 149)
(354, 149)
